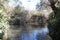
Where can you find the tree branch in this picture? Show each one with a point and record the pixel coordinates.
(52, 4)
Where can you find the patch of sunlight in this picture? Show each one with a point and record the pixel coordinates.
(29, 4)
(0, 31)
(12, 3)
(1, 11)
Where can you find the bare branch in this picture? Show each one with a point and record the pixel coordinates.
(52, 4)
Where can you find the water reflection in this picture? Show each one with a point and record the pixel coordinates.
(33, 35)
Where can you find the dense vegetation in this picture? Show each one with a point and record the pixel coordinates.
(53, 21)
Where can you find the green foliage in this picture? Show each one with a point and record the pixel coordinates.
(54, 24)
(1, 35)
(3, 18)
(3, 22)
